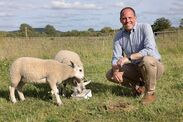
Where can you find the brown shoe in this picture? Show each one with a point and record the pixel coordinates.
(148, 98)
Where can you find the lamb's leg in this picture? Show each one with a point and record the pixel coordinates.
(12, 94)
(19, 89)
(15, 78)
(56, 92)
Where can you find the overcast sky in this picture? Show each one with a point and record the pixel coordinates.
(67, 15)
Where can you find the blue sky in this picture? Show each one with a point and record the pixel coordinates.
(67, 15)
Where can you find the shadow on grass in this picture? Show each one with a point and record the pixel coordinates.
(100, 88)
(4, 94)
(42, 91)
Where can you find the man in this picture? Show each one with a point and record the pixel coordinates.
(136, 60)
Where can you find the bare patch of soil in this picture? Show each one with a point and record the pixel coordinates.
(119, 106)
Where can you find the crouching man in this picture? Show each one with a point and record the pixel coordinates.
(136, 61)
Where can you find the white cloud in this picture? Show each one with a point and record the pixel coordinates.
(2, 3)
(177, 7)
(61, 4)
(120, 4)
(3, 14)
(73, 14)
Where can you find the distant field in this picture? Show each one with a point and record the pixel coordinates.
(110, 102)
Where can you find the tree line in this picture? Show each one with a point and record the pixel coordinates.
(26, 30)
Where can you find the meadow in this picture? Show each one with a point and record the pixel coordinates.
(110, 102)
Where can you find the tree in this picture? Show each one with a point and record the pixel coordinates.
(181, 23)
(26, 30)
(106, 30)
(50, 30)
(161, 24)
(91, 30)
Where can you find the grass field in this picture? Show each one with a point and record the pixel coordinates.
(110, 102)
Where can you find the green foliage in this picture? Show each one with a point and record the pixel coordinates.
(26, 30)
(91, 30)
(50, 30)
(106, 30)
(24, 27)
(161, 24)
(4, 64)
(181, 23)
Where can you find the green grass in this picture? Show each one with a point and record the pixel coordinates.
(110, 102)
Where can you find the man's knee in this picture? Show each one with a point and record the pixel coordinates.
(148, 67)
(149, 61)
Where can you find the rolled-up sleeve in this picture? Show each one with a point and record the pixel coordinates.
(149, 41)
(117, 49)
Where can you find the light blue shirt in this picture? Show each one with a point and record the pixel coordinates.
(139, 40)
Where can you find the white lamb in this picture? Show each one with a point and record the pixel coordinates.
(65, 56)
(28, 69)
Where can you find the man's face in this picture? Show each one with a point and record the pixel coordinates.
(128, 19)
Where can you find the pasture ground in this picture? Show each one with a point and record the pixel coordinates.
(110, 102)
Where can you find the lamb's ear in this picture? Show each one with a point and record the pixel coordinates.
(75, 83)
(87, 82)
(72, 64)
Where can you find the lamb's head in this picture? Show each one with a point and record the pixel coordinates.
(78, 71)
(79, 82)
(79, 85)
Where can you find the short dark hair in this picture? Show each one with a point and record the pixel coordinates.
(127, 8)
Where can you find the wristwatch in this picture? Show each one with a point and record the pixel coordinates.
(129, 58)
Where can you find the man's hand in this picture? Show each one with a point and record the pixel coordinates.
(122, 61)
(118, 76)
